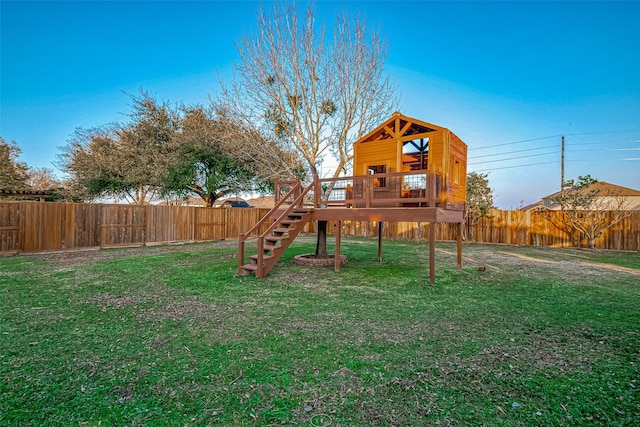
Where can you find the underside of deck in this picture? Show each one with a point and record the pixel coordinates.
(387, 214)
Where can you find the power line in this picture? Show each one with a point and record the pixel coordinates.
(605, 143)
(514, 142)
(631, 159)
(600, 160)
(602, 133)
(605, 149)
(518, 166)
(512, 152)
(514, 158)
(555, 136)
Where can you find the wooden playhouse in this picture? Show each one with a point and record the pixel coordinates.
(403, 170)
(404, 144)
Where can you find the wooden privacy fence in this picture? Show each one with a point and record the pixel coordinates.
(34, 226)
(524, 228)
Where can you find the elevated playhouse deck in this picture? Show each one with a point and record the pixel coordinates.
(414, 196)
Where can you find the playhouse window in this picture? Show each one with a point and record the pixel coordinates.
(378, 182)
(415, 154)
(456, 172)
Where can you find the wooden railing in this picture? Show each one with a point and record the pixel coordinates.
(293, 198)
(398, 189)
(296, 203)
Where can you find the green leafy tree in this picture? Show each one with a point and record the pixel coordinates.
(479, 200)
(126, 161)
(13, 173)
(313, 93)
(204, 163)
(587, 210)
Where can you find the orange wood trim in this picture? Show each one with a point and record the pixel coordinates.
(388, 129)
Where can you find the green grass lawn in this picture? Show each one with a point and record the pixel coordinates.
(544, 336)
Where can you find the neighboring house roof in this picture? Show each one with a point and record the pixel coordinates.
(604, 189)
(236, 204)
(218, 203)
(533, 206)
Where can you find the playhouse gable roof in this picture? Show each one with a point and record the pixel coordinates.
(401, 127)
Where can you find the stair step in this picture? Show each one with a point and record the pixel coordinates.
(250, 267)
(255, 257)
(270, 247)
(275, 238)
(290, 221)
(282, 230)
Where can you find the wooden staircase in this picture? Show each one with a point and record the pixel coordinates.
(272, 243)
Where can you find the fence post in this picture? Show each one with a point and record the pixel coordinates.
(145, 230)
(509, 225)
(21, 227)
(193, 223)
(527, 216)
(226, 225)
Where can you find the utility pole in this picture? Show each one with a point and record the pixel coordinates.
(562, 167)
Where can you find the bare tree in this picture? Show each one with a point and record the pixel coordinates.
(42, 179)
(314, 93)
(588, 209)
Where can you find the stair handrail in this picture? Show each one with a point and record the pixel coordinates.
(243, 236)
(297, 202)
(294, 205)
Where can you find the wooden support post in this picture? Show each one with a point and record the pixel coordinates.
(316, 191)
(459, 244)
(431, 189)
(432, 252)
(297, 192)
(240, 253)
(380, 230)
(336, 255)
(260, 270)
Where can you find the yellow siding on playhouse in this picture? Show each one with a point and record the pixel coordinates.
(446, 156)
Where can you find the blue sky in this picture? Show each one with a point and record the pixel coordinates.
(507, 77)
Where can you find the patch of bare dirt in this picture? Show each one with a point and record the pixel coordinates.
(502, 260)
(526, 258)
(192, 308)
(618, 268)
(115, 301)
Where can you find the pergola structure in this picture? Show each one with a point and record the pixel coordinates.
(404, 170)
(24, 194)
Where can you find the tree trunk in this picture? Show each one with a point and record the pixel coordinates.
(321, 243)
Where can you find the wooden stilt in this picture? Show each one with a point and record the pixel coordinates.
(432, 252)
(459, 244)
(380, 229)
(336, 255)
